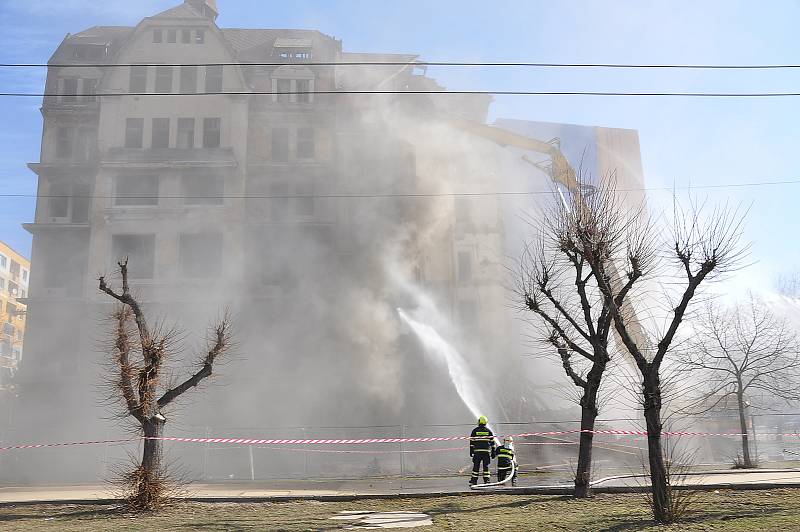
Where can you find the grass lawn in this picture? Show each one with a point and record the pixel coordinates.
(726, 510)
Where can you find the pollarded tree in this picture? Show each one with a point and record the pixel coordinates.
(140, 385)
(736, 352)
(557, 284)
(628, 259)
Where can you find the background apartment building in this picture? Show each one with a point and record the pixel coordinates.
(203, 158)
(14, 277)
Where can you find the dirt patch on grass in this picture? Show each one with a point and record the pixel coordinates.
(725, 510)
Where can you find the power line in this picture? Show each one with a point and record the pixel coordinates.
(399, 195)
(417, 92)
(651, 66)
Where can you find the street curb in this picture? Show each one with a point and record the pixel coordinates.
(536, 490)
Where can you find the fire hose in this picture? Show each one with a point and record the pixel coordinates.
(499, 482)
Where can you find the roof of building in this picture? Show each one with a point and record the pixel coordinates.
(5, 249)
(283, 42)
(181, 11)
(187, 10)
(366, 57)
(242, 39)
(101, 34)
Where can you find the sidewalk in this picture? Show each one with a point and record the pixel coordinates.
(386, 488)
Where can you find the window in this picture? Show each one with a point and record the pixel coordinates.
(3, 262)
(134, 132)
(464, 266)
(200, 37)
(13, 290)
(58, 202)
(214, 78)
(138, 81)
(164, 79)
(24, 275)
(201, 255)
(172, 36)
(158, 35)
(160, 138)
(136, 190)
(280, 144)
(185, 133)
(279, 202)
(2, 283)
(186, 36)
(305, 143)
(81, 201)
(140, 251)
(304, 90)
(90, 89)
(83, 144)
(211, 132)
(65, 137)
(304, 203)
(70, 92)
(284, 87)
(203, 189)
(15, 268)
(188, 79)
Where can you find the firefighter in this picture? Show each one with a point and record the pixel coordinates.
(482, 450)
(505, 460)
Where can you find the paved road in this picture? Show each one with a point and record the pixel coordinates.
(327, 488)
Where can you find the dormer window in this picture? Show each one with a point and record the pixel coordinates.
(89, 51)
(292, 49)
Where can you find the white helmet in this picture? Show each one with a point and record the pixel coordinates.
(508, 439)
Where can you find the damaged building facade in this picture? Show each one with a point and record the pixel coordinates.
(233, 169)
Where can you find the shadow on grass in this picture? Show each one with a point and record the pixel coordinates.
(454, 508)
(56, 514)
(698, 517)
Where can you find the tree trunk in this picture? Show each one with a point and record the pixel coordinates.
(746, 461)
(583, 475)
(659, 480)
(151, 458)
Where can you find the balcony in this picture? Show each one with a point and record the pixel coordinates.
(68, 105)
(170, 158)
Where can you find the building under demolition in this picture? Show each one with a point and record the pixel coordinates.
(235, 168)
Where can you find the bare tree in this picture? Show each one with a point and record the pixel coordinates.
(625, 253)
(788, 284)
(556, 283)
(140, 384)
(735, 352)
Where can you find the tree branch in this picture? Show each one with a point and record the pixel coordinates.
(221, 342)
(533, 305)
(123, 361)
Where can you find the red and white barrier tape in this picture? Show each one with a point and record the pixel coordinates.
(249, 441)
(68, 444)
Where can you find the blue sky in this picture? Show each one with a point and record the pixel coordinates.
(684, 141)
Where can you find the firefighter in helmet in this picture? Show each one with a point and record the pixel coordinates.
(482, 450)
(506, 461)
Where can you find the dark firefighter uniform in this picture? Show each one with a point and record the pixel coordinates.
(505, 459)
(481, 449)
